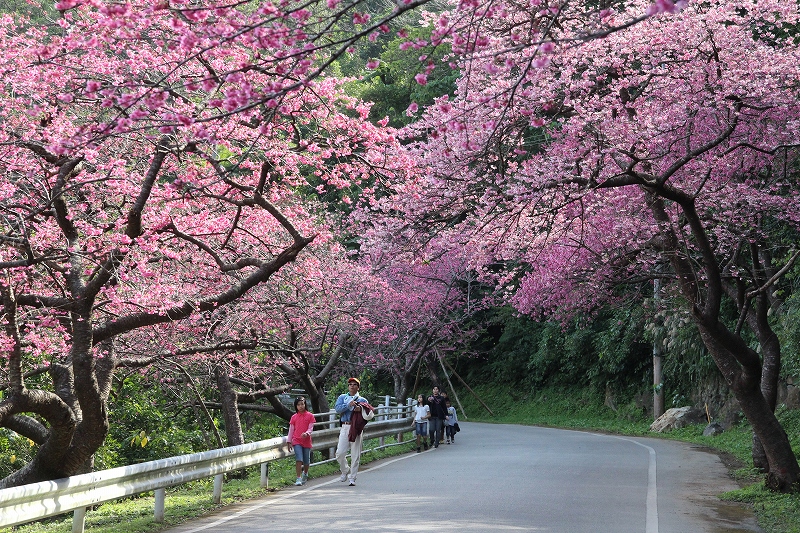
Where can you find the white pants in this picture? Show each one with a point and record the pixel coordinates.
(355, 452)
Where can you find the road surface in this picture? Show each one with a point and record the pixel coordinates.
(507, 478)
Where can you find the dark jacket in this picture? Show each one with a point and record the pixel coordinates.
(438, 407)
(357, 422)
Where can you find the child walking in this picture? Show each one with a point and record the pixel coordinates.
(421, 415)
(301, 426)
(450, 423)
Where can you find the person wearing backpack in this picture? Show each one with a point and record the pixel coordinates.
(347, 404)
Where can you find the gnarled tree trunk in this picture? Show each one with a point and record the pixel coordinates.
(740, 365)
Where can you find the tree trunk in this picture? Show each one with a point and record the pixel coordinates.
(753, 310)
(402, 381)
(658, 384)
(230, 408)
(658, 378)
(316, 393)
(76, 414)
(399, 384)
(783, 474)
(770, 374)
(745, 382)
(230, 413)
(46, 464)
(740, 365)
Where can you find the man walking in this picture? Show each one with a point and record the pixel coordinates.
(438, 416)
(346, 405)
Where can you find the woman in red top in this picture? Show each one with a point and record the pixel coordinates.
(300, 428)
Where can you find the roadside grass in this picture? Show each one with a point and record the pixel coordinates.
(192, 500)
(776, 513)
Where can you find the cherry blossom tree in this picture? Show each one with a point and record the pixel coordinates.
(158, 158)
(322, 316)
(666, 149)
(302, 325)
(424, 310)
(161, 159)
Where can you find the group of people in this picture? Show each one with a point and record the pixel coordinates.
(434, 418)
(354, 411)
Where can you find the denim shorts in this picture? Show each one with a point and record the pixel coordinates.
(302, 454)
(422, 428)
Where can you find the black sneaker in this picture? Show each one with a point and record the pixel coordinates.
(419, 449)
(426, 445)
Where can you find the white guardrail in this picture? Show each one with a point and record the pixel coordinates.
(36, 501)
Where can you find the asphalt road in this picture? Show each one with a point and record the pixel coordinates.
(510, 478)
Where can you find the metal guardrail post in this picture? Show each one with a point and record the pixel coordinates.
(78, 520)
(332, 449)
(405, 411)
(264, 475)
(161, 497)
(382, 440)
(218, 479)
